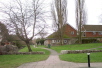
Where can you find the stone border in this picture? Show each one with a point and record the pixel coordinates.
(21, 53)
(78, 51)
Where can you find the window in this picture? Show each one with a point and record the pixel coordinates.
(84, 34)
(72, 32)
(58, 41)
(100, 33)
(53, 41)
(77, 33)
(65, 41)
(94, 33)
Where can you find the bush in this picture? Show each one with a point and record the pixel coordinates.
(19, 44)
(41, 41)
(89, 41)
(84, 41)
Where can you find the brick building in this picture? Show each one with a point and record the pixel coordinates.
(70, 34)
(92, 30)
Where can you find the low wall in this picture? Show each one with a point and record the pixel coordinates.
(78, 51)
(21, 53)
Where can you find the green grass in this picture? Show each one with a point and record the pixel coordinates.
(82, 58)
(79, 58)
(33, 49)
(42, 46)
(76, 47)
(13, 61)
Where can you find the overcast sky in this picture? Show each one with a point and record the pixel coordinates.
(94, 10)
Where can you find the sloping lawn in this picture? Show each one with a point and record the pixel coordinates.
(80, 58)
(76, 47)
(13, 61)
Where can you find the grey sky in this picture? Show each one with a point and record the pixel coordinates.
(94, 10)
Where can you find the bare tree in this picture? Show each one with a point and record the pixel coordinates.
(59, 15)
(80, 17)
(25, 18)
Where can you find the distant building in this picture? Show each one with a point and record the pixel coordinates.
(92, 30)
(70, 34)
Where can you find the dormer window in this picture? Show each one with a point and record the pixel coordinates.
(72, 32)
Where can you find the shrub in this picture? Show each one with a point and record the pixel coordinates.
(41, 41)
(84, 41)
(19, 44)
(89, 41)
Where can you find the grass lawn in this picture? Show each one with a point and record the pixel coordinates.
(13, 61)
(42, 46)
(95, 57)
(77, 47)
(82, 58)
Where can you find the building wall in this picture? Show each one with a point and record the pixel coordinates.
(56, 42)
(90, 34)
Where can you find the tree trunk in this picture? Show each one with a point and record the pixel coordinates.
(61, 37)
(61, 23)
(28, 45)
(80, 22)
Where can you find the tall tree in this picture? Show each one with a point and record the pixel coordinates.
(59, 15)
(25, 18)
(80, 17)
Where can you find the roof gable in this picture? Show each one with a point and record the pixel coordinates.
(71, 26)
(55, 34)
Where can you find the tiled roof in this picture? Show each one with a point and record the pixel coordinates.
(92, 28)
